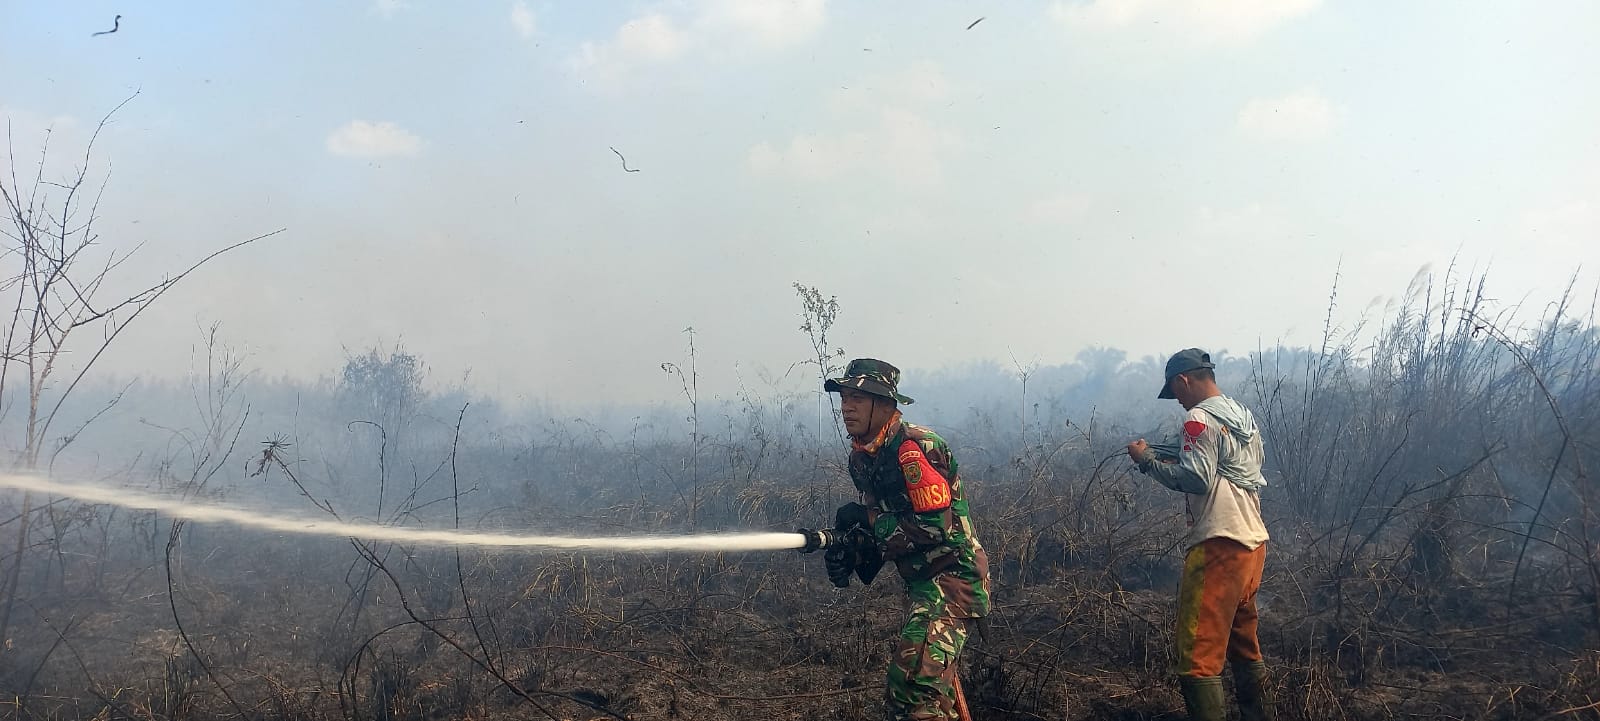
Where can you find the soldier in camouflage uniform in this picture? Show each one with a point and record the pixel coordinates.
(916, 511)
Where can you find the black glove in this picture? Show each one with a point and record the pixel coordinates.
(840, 561)
(868, 555)
(851, 515)
(859, 553)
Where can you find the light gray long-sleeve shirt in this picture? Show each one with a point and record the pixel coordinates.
(1219, 469)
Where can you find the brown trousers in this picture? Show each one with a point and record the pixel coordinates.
(1217, 606)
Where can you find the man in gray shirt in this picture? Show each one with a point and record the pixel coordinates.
(1218, 468)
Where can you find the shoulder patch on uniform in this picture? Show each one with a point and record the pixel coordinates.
(928, 489)
(1191, 433)
(910, 453)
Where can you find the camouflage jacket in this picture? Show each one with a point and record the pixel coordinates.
(922, 520)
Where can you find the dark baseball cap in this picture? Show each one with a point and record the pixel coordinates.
(1183, 361)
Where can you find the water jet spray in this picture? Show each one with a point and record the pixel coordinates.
(802, 540)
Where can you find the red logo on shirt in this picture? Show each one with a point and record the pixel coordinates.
(927, 487)
(1191, 433)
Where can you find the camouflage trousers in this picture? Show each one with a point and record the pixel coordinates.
(922, 668)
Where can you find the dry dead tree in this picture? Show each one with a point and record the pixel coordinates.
(56, 282)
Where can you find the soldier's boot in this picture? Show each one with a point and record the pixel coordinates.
(1253, 691)
(1202, 696)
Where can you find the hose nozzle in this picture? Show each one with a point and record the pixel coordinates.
(819, 539)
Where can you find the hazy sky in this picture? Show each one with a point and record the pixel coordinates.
(1145, 174)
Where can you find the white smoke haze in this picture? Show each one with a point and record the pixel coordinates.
(515, 404)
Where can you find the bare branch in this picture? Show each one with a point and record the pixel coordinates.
(152, 294)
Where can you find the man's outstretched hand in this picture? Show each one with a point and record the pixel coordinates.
(1138, 450)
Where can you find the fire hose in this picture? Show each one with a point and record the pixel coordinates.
(850, 551)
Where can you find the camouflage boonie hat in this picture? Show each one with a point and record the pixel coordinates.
(869, 375)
